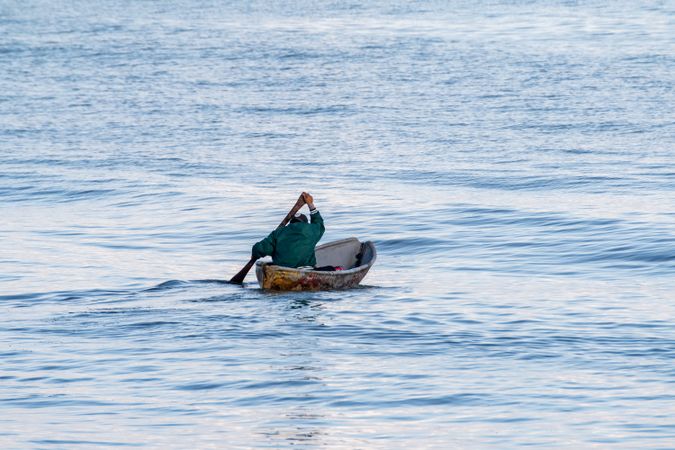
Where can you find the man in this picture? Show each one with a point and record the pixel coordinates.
(293, 245)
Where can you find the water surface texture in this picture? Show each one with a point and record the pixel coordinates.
(512, 161)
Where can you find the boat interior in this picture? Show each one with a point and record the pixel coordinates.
(348, 253)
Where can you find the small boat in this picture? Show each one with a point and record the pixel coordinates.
(356, 258)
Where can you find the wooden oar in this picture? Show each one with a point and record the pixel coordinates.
(239, 278)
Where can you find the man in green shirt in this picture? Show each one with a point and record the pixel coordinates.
(293, 245)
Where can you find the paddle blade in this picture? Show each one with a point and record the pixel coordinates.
(239, 278)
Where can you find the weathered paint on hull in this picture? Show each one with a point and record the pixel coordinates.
(345, 252)
(278, 278)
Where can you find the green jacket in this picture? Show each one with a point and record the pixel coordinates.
(292, 245)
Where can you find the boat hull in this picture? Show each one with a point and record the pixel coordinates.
(279, 278)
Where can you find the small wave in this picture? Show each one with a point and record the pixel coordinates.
(31, 194)
(205, 386)
(26, 300)
(166, 285)
(453, 399)
(299, 111)
(413, 245)
(68, 442)
(152, 324)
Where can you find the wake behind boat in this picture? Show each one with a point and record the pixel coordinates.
(354, 256)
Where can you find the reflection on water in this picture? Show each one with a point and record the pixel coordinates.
(302, 422)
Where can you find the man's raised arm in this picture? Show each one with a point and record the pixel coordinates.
(314, 215)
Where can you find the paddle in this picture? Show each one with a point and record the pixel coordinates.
(239, 278)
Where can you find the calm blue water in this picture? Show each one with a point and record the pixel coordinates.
(513, 161)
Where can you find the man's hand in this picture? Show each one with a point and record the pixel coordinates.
(308, 199)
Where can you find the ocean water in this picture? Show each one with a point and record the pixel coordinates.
(512, 161)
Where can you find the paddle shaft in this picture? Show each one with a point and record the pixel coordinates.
(239, 277)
